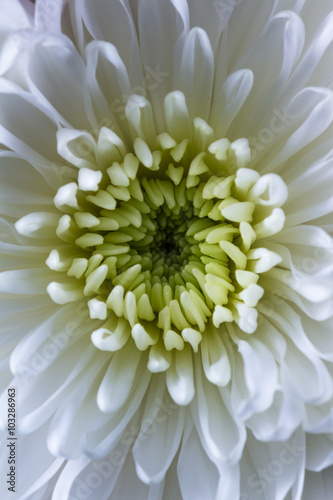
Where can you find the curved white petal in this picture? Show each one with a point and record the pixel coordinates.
(191, 472)
(56, 76)
(194, 75)
(162, 28)
(117, 383)
(113, 23)
(160, 435)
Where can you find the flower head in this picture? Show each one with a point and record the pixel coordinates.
(166, 219)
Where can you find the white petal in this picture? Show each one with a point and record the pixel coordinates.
(56, 75)
(302, 371)
(215, 359)
(193, 466)
(161, 29)
(108, 83)
(319, 452)
(117, 382)
(270, 470)
(318, 485)
(212, 17)
(194, 76)
(259, 364)
(242, 12)
(44, 390)
(272, 59)
(320, 42)
(320, 335)
(222, 443)
(311, 176)
(229, 99)
(307, 116)
(37, 224)
(16, 323)
(68, 477)
(56, 331)
(42, 466)
(77, 147)
(47, 16)
(177, 116)
(160, 435)
(25, 281)
(179, 377)
(22, 188)
(36, 144)
(67, 427)
(279, 421)
(113, 22)
(139, 114)
(106, 429)
(171, 483)
(13, 16)
(133, 488)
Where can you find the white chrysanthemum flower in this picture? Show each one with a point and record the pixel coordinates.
(167, 264)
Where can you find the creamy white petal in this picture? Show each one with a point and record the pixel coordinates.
(14, 18)
(215, 358)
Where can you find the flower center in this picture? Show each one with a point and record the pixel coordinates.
(165, 238)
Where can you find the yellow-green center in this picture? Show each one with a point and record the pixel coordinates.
(165, 241)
